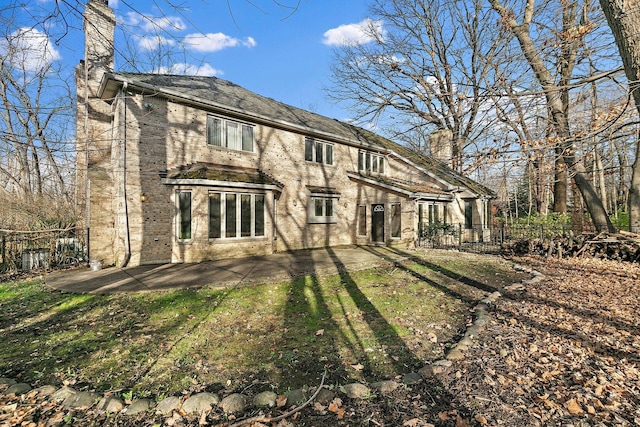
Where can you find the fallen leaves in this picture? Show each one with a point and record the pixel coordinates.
(567, 347)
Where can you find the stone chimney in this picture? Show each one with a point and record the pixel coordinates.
(440, 146)
(94, 171)
(99, 28)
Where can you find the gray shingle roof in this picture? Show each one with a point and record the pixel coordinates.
(219, 94)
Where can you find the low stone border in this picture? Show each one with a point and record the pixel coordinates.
(237, 403)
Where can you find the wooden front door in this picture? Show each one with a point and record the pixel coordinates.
(377, 223)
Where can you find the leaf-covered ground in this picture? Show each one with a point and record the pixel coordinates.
(564, 351)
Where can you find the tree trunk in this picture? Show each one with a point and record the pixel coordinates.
(623, 17)
(557, 110)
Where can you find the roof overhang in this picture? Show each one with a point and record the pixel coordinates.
(397, 189)
(220, 184)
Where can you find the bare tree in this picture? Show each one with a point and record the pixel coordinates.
(423, 70)
(624, 19)
(35, 104)
(573, 30)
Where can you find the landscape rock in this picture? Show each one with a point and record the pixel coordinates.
(167, 405)
(411, 378)
(18, 389)
(63, 393)
(46, 390)
(385, 386)
(266, 399)
(235, 402)
(138, 406)
(110, 404)
(200, 402)
(296, 397)
(80, 400)
(325, 396)
(436, 368)
(455, 354)
(357, 391)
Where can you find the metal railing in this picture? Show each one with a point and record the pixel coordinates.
(482, 239)
(42, 250)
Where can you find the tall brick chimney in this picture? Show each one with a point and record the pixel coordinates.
(94, 172)
(440, 146)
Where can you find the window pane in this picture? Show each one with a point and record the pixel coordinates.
(362, 220)
(184, 206)
(381, 166)
(374, 165)
(368, 162)
(328, 153)
(233, 135)
(318, 207)
(245, 215)
(230, 215)
(319, 157)
(436, 213)
(430, 214)
(329, 207)
(396, 215)
(444, 214)
(468, 215)
(214, 131)
(361, 160)
(308, 149)
(215, 218)
(259, 215)
(247, 138)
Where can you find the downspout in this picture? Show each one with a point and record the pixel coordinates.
(87, 183)
(127, 237)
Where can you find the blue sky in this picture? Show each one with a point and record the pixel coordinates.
(272, 50)
(278, 48)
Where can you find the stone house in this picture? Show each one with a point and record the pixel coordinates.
(176, 168)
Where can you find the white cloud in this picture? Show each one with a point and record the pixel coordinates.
(153, 42)
(150, 23)
(213, 42)
(353, 34)
(191, 70)
(28, 48)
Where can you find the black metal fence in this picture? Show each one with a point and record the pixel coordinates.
(42, 250)
(483, 239)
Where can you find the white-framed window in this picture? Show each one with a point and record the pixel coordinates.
(486, 208)
(229, 134)
(362, 220)
(396, 220)
(318, 151)
(236, 215)
(322, 210)
(183, 226)
(369, 162)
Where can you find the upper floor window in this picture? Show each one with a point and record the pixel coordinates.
(229, 134)
(318, 151)
(370, 163)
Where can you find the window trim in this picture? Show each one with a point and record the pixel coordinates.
(222, 232)
(314, 148)
(179, 221)
(371, 163)
(312, 218)
(224, 130)
(362, 221)
(398, 205)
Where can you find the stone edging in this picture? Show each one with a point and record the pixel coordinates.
(236, 403)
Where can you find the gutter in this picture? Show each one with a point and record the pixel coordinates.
(127, 234)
